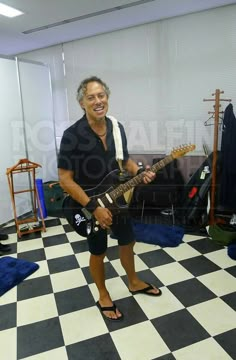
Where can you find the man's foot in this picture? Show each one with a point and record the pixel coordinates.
(3, 236)
(145, 288)
(109, 312)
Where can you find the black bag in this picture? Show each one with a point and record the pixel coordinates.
(53, 196)
(194, 199)
(163, 192)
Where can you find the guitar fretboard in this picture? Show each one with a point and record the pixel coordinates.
(138, 179)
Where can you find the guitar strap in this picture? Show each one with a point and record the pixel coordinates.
(118, 142)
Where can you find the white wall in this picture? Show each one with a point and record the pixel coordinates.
(11, 120)
(27, 129)
(158, 73)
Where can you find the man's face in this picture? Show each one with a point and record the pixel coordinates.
(95, 102)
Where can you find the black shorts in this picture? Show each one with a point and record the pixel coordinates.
(121, 229)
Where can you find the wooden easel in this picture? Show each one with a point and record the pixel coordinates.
(216, 114)
(25, 166)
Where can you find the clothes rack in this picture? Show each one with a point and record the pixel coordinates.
(216, 113)
(26, 166)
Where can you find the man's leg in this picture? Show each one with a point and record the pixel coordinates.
(127, 261)
(97, 271)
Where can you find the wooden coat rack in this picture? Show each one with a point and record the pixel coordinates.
(216, 113)
(25, 166)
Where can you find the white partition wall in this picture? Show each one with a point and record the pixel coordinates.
(27, 128)
(53, 57)
(38, 117)
(11, 136)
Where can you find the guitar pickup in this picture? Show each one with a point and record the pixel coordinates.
(87, 214)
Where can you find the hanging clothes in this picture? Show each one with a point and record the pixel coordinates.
(228, 150)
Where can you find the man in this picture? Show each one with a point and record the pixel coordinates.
(87, 155)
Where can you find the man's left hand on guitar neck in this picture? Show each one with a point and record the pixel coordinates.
(132, 168)
(148, 175)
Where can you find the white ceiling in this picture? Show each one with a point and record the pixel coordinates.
(86, 18)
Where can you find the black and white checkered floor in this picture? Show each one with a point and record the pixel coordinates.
(53, 315)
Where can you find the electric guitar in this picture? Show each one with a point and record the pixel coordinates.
(106, 195)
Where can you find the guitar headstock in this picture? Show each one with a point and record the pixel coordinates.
(182, 150)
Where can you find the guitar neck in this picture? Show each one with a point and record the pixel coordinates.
(138, 179)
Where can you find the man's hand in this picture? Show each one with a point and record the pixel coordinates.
(148, 176)
(103, 216)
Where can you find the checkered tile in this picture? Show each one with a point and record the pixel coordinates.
(53, 313)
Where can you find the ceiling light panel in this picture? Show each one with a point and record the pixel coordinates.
(9, 11)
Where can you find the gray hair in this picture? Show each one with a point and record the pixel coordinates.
(83, 87)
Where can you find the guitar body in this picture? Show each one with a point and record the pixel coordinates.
(74, 215)
(109, 195)
(79, 218)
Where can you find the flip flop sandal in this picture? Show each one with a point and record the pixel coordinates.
(146, 291)
(108, 308)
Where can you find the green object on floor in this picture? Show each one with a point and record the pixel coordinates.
(53, 197)
(222, 234)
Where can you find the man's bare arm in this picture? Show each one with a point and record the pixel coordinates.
(66, 178)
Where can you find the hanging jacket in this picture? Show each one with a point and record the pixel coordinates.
(228, 150)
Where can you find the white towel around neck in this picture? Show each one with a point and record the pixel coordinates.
(117, 138)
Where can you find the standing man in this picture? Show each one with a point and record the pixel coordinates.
(87, 155)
